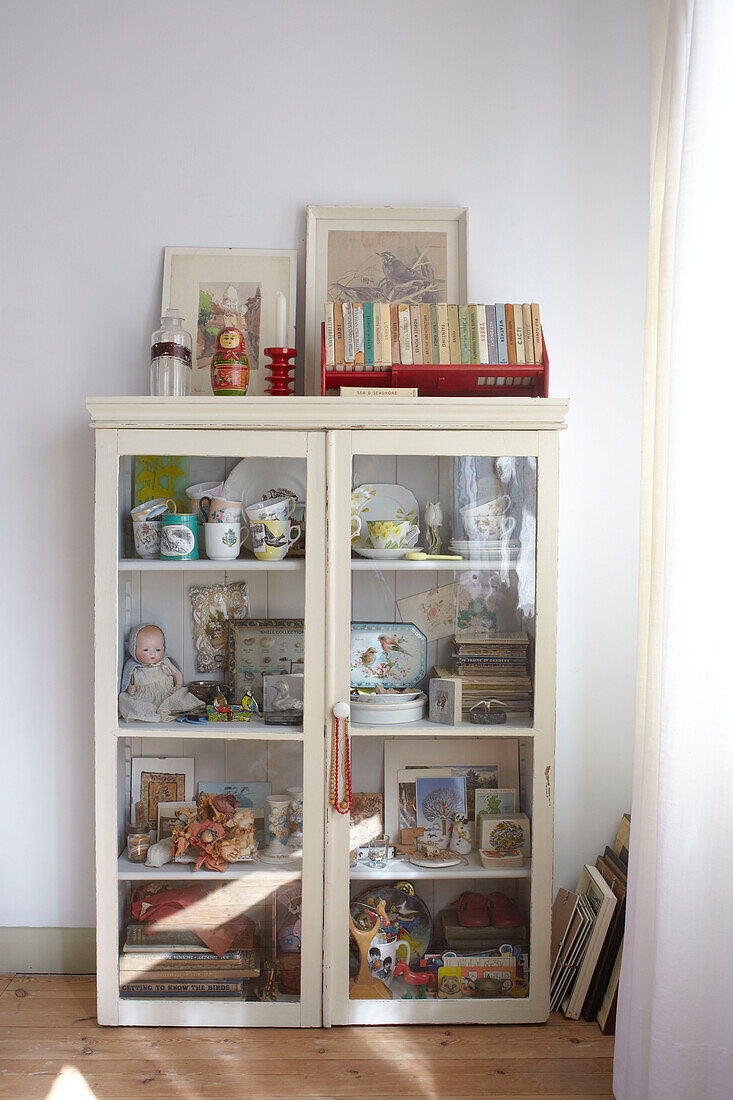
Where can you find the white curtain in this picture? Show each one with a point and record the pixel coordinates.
(675, 1016)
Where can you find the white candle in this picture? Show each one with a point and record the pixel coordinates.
(280, 338)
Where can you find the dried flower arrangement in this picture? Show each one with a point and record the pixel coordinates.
(220, 831)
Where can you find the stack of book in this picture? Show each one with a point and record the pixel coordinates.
(174, 963)
(493, 667)
(587, 937)
(375, 336)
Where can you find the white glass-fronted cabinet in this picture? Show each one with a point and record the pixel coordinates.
(472, 915)
(257, 925)
(455, 925)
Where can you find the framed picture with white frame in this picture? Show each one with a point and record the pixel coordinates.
(410, 254)
(214, 288)
(423, 756)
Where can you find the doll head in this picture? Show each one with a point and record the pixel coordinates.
(150, 645)
(230, 338)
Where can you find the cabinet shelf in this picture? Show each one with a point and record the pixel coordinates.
(402, 868)
(255, 873)
(424, 728)
(237, 565)
(399, 564)
(230, 731)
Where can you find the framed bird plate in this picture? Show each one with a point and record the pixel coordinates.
(393, 655)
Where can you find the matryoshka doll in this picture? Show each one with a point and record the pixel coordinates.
(230, 366)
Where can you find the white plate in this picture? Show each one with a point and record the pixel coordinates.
(384, 555)
(252, 478)
(447, 861)
(376, 699)
(383, 502)
(486, 544)
(388, 716)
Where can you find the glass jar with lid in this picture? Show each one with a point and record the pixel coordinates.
(170, 358)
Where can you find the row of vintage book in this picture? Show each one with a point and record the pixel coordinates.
(373, 336)
(496, 667)
(191, 940)
(587, 937)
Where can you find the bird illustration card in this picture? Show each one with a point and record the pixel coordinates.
(433, 612)
(393, 655)
(438, 799)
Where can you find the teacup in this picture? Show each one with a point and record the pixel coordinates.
(489, 527)
(223, 540)
(152, 509)
(497, 507)
(281, 506)
(390, 534)
(196, 493)
(355, 527)
(220, 510)
(147, 537)
(272, 538)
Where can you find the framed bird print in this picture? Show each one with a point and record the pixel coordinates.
(380, 254)
(394, 655)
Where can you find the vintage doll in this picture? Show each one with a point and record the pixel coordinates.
(229, 366)
(152, 684)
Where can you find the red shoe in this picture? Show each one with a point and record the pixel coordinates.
(472, 910)
(504, 913)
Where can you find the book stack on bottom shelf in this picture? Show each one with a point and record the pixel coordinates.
(187, 942)
(493, 668)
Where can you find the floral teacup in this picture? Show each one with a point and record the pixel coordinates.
(390, 534)
(489, 527)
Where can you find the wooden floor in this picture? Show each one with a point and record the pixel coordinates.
(51, 1047)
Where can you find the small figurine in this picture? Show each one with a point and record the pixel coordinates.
(230, 366)
(488, 712)
(152, 685)
(366, 986)
(460, 837)
(433, 522)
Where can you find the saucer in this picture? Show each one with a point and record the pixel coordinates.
(385, 555)
(287, 860)
(446, 861)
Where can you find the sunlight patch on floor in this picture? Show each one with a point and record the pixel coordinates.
(70, 1085)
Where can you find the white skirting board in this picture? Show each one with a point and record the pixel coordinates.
(47, 951)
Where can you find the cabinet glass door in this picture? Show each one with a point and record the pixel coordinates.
(210, 726)
(439, 878)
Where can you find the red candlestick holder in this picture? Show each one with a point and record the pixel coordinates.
(279, 376)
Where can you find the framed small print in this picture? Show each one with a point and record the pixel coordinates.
(160, 779)
(282, 695)
(172, 813)
(217, 287)
(410, 254)
(444, 699)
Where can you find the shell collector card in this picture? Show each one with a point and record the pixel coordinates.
(393, 655)
(257, 646)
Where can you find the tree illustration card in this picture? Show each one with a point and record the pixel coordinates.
(438, 800)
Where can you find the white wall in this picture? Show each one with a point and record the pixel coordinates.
(131, 126)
